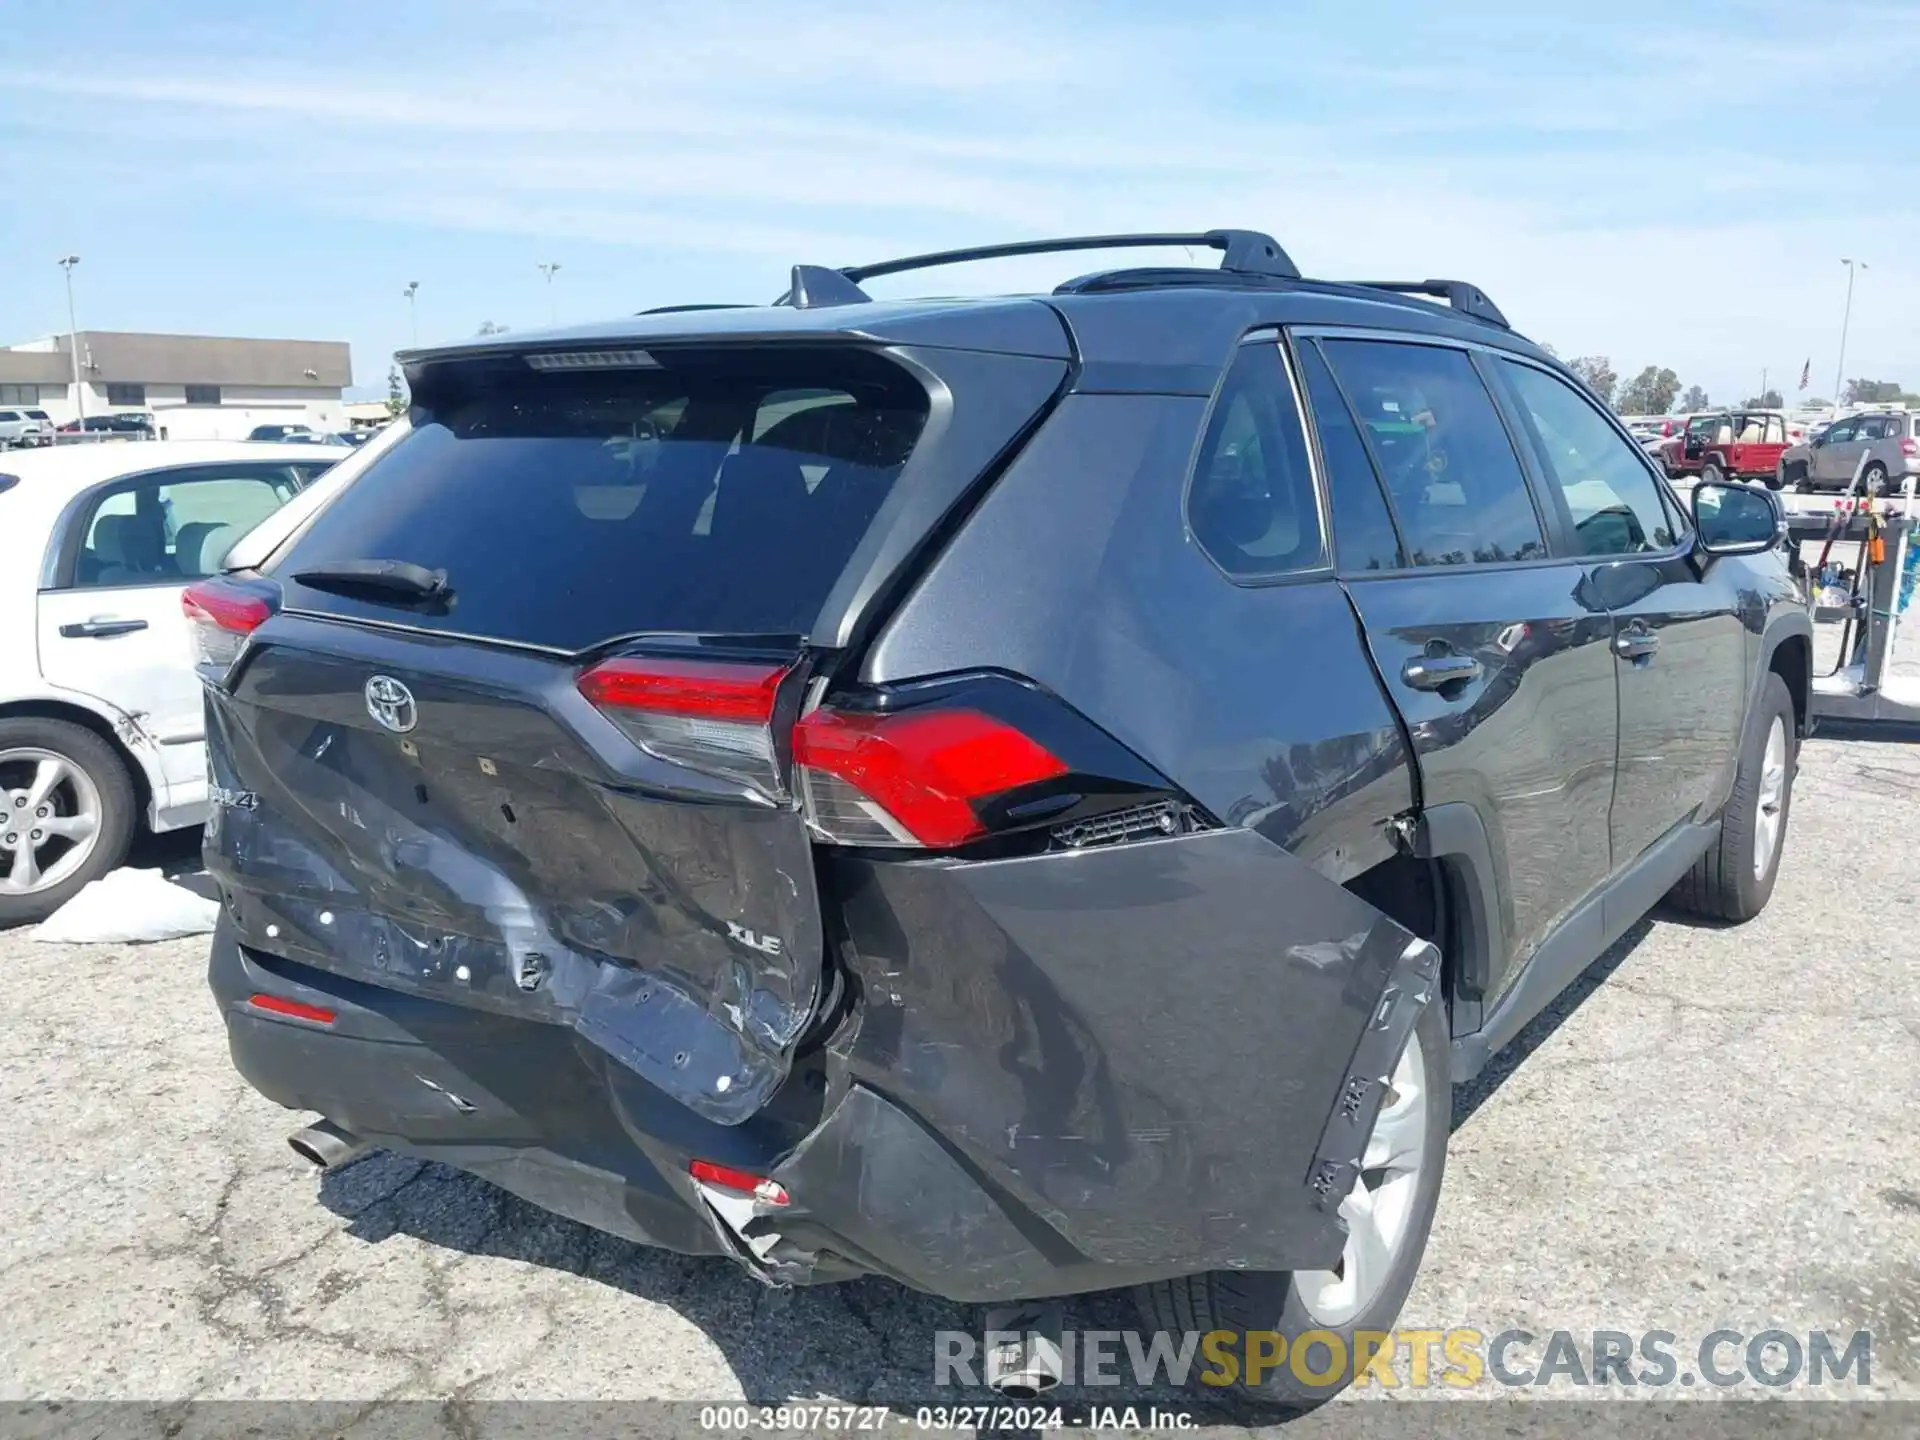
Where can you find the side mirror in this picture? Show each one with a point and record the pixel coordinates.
(1737, 519)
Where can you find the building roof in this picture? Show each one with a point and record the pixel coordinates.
(127, 356)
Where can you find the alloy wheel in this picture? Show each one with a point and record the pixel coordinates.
(1379, 1211)
(1770, 810)
(49, 819)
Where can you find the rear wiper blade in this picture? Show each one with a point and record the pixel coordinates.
(397, 579)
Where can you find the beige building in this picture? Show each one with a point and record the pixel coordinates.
(194, 386)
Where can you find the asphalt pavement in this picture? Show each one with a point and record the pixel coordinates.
(1715, 1129)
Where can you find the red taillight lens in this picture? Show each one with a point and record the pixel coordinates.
(280, 1005)
(708, 689)
(911, 778)
(223, 615)
(715, 716)
(1910, 447)
(728, 1178)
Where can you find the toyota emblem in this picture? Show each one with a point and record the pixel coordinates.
(391, 704)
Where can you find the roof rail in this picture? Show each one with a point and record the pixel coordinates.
(1467, 299)
(681, 309)
(1245, 252)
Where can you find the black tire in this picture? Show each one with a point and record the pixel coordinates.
(1711, 473)
(1776, 481)
(1722, 884)
(1873, 481)
(86, 751)
(1244, 1301)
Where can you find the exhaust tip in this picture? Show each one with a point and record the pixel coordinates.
(1023, 1352)
(325, 1145)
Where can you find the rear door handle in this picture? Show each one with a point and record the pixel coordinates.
(1435, 672)
(101, 628)
(1636, 644)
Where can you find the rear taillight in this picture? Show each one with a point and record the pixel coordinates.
(914, 778)
(715, 716)
(931, 765)
(223, 615)
(1910, 447)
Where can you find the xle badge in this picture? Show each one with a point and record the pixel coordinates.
(765, 944)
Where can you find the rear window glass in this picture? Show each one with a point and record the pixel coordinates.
(723, 495)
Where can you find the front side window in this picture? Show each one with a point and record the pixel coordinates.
(172, 527)
(1611, 498)
(1840, 432)
(1457, 487)
(1251, 504)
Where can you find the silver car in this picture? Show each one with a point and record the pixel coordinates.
(1888, 442)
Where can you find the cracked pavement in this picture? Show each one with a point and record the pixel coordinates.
(1716, 1127)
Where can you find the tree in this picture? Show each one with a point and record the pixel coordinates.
(1597, 372)
(1694, 399)
(1650, 392)
(1815, 402)
(1769, 401)
(1870, 392)
(487, 327)
(396, 391)
(1549, 349)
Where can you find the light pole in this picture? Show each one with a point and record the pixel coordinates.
(67, 262)
(1846, 315)
(413, 311)
(547, 267)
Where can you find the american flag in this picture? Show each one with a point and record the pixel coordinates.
(1806, 372)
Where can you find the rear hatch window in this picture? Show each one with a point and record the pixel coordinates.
(709, 492)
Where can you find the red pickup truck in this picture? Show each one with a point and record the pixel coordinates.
(1729, 445)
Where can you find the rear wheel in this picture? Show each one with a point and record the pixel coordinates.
(1873, 481)
(1777, 481)
(1734, 879)
(1388, 1215)
(66, 814)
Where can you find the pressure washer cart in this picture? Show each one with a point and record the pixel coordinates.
(1862, 580)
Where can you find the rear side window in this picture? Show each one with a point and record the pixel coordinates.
(721, 494)
(1363, 533)
(175, 525)
(1251, 505)
(1457, 487)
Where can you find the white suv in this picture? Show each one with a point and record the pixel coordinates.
(25, 427)
(101, 728)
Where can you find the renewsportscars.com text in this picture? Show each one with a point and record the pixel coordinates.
(1460, 1358)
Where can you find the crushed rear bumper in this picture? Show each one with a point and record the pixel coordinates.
(1060, 1073)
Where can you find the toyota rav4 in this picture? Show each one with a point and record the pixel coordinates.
(1020, 796)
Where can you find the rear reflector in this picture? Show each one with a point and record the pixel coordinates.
(728, 1178)
(911, 778)
(279, 1005)
(714, 716)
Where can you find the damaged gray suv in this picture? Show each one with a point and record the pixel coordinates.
(1019, 796)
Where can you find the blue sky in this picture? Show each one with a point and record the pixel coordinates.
(1677, 192)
